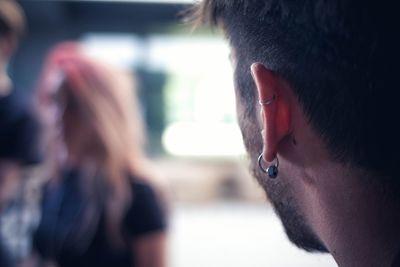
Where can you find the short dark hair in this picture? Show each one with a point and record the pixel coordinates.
(341, 58)
(12, 19)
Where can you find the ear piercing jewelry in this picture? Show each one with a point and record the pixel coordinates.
(268, 101)
(271, 171)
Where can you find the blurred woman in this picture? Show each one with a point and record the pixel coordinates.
(99, 208)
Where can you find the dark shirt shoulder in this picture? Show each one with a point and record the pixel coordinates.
(146, 213)
(62, 209)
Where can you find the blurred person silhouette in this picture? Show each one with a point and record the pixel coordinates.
(18, 143)
(100, 207)
(317, 101)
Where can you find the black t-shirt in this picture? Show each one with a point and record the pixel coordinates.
(19, 130)
(63, 210)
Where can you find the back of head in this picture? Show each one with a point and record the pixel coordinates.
(12, 19)
(340, 57)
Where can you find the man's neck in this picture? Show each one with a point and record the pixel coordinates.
(358, 226)
(366, 239)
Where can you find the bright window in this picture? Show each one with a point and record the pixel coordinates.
(199, 101)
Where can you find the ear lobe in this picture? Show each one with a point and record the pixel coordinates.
(275, 109)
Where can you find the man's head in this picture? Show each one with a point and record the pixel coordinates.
(332, 66)
(12, 26)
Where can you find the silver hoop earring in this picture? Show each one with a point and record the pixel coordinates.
(268, 101)
(271, 171)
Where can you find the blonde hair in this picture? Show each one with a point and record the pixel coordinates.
(103, 100)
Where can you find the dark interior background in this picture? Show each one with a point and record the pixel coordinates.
(50, 22)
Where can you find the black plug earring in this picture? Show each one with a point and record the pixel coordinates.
(271, 171)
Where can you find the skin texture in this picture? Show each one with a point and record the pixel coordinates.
(324, 206)
(150, 250)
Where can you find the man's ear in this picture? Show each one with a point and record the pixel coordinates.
(275, 109)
